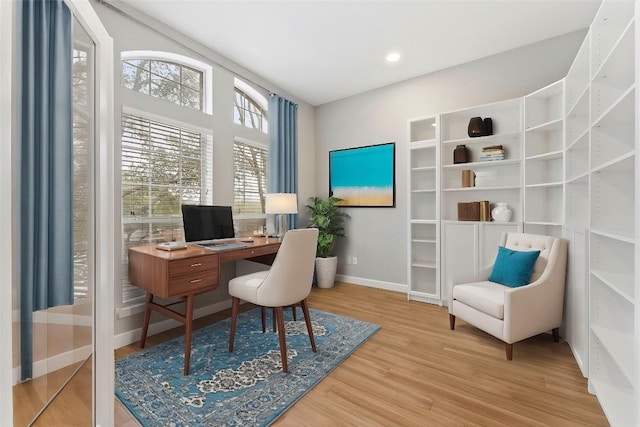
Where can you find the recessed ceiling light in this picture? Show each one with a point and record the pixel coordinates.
(393, 57)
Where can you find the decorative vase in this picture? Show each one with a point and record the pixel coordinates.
(476, 127)
(487, 126)
(460, 154)
(501, 212)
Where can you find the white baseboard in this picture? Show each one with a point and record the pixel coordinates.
(427, 300)
(53, 363)
(581, 365)
(132, 336)
(398, 287)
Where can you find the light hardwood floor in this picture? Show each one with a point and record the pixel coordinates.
(416, 372)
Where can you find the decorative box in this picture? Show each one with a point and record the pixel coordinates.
(469, 211)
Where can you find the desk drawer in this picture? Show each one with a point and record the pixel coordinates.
(248, 252)
(193, 282)
(193, 266)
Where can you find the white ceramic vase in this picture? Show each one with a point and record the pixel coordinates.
(501, 212)
(326, 271)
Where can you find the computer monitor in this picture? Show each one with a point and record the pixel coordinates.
(207, 222)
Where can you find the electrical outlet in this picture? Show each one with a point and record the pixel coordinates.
(354, 260)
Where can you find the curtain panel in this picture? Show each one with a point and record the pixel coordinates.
(282, 166)
(46, 163)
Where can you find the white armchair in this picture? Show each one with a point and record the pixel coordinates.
(514, 314)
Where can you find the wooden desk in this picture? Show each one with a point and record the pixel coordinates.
(185, 273)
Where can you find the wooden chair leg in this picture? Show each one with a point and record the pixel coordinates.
(307, 320)
(556, 334)
(281, 336)
(509, 350)
(273, 318)
(235, 307)
(263, 315)
(452, 321)
(293, 312)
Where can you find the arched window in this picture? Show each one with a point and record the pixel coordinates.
(175, 78)
(250, 107)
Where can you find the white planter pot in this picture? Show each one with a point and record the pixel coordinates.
(326, 271)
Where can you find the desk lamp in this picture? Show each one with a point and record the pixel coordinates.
(281, 204)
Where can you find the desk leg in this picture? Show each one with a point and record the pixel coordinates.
(188, 329)
(147, 315)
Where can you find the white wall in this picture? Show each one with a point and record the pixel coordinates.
(142, 33)
(377, 236)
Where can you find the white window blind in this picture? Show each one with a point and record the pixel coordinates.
(163, 166)
(250, 178)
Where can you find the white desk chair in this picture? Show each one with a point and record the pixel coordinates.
(512, 314)
(286, 283)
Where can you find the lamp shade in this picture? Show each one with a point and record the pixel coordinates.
(281, 203)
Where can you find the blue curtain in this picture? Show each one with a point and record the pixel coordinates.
(282, 168)
(46, 163)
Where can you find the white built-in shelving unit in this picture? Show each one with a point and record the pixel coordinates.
(544, 160)
(570, 170)
(470, 247)
(576, 207)
(613, 352)
(424, 200)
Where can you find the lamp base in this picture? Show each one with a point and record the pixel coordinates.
(283, 226)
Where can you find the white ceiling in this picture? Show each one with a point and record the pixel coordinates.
(321, 51)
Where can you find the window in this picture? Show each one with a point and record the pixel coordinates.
(250, 185)
(248, 113)
(250, 181)
(163, 166)
(250, 107)
(173, 82)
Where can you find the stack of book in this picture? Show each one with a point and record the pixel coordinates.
(492, 152)
(485, 210)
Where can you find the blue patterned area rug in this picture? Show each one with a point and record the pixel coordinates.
(246, 387)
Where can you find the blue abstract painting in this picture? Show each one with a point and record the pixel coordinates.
(363, 176)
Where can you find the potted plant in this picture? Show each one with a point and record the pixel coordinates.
(328, 218)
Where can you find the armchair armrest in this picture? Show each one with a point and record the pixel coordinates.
(537, 307)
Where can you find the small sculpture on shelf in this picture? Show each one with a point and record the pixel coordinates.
(480, 127)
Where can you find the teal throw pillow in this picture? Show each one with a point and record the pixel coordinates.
(513, 268)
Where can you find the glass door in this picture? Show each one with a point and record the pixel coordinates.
(63, 336)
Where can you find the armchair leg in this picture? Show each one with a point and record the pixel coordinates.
(235, 307)
(281, 335)
(452, 321)
(263, 316)
(509, 350)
